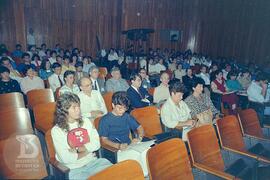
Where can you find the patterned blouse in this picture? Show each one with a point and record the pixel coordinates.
(198, 106)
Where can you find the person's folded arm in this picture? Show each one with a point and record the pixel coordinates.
(94, 143)
(63, 150)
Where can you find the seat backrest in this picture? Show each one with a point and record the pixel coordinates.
(151, 91)
(204, 147)
(44, 116)
(250, 122)
(108, 100)
(22, 158)
(11, 100)
(46, 83)
(39, 96)
(96, 122)
(129, 169)
(50, 146)
(149, 119)
(15, 121)
(230, 134)
(173, 154)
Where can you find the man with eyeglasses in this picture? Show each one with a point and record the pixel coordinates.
(92, 103)
(114, 130)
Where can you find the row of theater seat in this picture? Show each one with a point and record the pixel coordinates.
(205, 154)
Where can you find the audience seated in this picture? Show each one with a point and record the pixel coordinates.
(79, 73)
(175, 114)
(161, 93)
(244, 79)
(87, 64)
(36, 61)
(232, 83)
(7, 85)
(56, 80)
(66, 65)
(200, 104)
(205, 76)
(14, 74)
(112, 58)
(69, 83)
(256, 95)
(45, 70)
(17, 53)
(179, 72)
(225, 71)
(218, 86)
(114, 130)
(75, 139)
(116, 83)
(4, 54)
(92, 103)
(26, 61)
(97, 83)
(173, 65)
(188, 80)
(31, 80)
(145, 79)
(52, 58)
(42, 51)
(138, 95)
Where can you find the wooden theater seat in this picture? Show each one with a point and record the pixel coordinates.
(39, 96)
(15, 121)
(125, 170)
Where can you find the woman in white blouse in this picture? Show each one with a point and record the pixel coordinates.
(75, 139)
(69, 77)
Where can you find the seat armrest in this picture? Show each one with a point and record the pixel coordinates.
(110, 148)
(213, 171)
(59, 166)
(241, 152)
(254, 137)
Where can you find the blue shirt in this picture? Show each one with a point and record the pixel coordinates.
(117, 128)
(45, 74)
(233, 85)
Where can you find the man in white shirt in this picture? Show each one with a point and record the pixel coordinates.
(161, 93)
(175, 113)
(97, 83)
(256, 95)
(56, 79)
(159, 66)
(92, 103)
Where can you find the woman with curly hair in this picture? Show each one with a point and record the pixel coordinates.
(75, 139)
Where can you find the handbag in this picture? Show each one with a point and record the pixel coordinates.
(204, 118)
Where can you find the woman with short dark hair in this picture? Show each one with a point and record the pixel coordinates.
(200, 104)
(75, 139)
(45, 70)
(69, 78)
